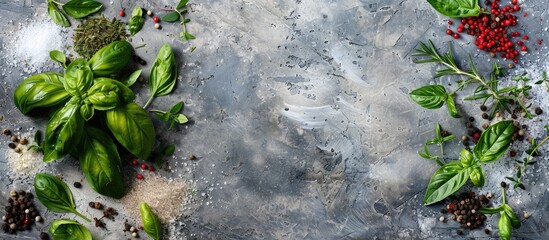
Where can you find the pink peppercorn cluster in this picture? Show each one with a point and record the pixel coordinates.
(492, 31)
(142, 166)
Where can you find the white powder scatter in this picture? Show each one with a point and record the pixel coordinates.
(26, 163)
(33, 42)
(165, 197)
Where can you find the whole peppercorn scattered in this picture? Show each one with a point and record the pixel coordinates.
(487, 231)
(538, 111)
(463, 138)
(6, 131)
(476, 135)
(12, 145)
(97, 205)
(526, 215)
(485, 116)
(24, 141)
(143, 166)
(503, 184)
(483, 108)
(192, 157)
(149, 13)
(512, 153)
(19, 213)
(77, 184)
(14, 139)
(459, 232)
(139, 176)
(122, 13)
(44, 236)
(17, 150)
(156, 19)
(134, 162)
(135, 235)
(151, 168)
(471, 119)
(157, 26)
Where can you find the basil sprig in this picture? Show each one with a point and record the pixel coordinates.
(450, 177)
(456, 8)
(136, 20)
(55, 195)
(507, 219)
(433, 97)
(151, 224)
(66, 229)
(75, 97)
(74, 8)
(163, 74)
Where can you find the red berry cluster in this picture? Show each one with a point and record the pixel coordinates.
(142, 166)
(492, 31)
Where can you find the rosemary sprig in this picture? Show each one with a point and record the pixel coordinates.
(440, 138)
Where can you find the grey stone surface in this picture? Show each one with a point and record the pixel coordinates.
(300, 117)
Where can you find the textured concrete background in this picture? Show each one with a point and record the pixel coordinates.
(300, 117)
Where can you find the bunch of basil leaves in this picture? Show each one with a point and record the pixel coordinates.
(456, 8)
(86, 104)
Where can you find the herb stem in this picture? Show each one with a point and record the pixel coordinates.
(149, 101)
(56, 2)
(472, 76)
(503, 196)
(82, 216)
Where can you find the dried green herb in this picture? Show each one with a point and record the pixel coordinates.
(95, 33)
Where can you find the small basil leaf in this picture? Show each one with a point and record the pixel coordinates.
(78, 77)
(452, 110)
(58, 56)
(41, 90)
(86, 110)
(133, 128)
(151, 224)
(54, 194)
(64, 131)
(132, 78)
(169, 150)
(111, 58)
(182, 3)
(100, 163)
(180, 118)
(186, 36)
(447, 180)
(494, 141)
(515, 221)
(81, 8)
(165, 117)
(456, 9)
(171, 17)
(430, 97)
(136, 21)
(176, 108)
(108, 93)
(163, 72)
(504, 227)
(57, 16)
(477, 176)
(466, 158)
(69, 230)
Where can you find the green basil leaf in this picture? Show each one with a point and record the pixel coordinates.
(466, 158)
(182, 3)
(81, 8)
(100, 163)
(477, 176)
(504, 227)
(447, 180)
(494, 141)
(151, 224)
(163, 72)
(456, 8)
(171, 17)
(452, 110)
(132, 78)
(515, 221)
(58, 56)
(186, 36)
(108, 93)
(136, 21)
(430, 97)
(78, 77)
(176, 108)
(64, 131)
(132, 127)
(111, 58)
(41, 90)
(180, 118)
(66, 229)
(169, 150)
(57, 16)
(54, 194)
(86, 110)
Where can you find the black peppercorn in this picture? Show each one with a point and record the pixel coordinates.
(487, 231)
(44, 236)
(485, 116)
(459, 232)
(538, 111)
(77, 184)
(483, 108)
(11, 145)
(503, 184)
(471, 119)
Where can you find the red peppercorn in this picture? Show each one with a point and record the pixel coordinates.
(122, 13)
(524, 48)
(516, 7)
(540, 41)
(156, 19)
(450, 22)
(151, 168)
(134, 162)
(449, 32)
(139, 176)
(515, 2)
(476, 135)
(456, 36)
(525, 37)
(143, 166)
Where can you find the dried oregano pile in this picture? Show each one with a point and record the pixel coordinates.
(94, 33)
